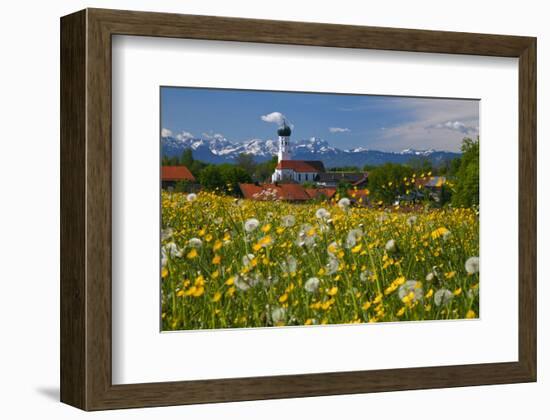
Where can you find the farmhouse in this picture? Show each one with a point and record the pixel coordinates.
(170, 175)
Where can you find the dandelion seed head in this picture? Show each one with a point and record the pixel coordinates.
(353, 237)
(288, 221)
(443, 297)
(312, 285)
(472, 265)
(251, 225)
(241, 282)
(332, 266)
(290, 265)
(278, 315)
(344, 203)
(172, 250)
(191, 197)
(391, 246)
(194, 243)
(322, 214)
(166, 234)
(365, 275)
(411, 286)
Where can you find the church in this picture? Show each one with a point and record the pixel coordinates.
(289, 170)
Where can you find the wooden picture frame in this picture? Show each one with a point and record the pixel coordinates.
(86, 361)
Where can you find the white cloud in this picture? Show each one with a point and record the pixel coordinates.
(438, 124)
(274, 117)
(166, 132)
(457, 126)
(339, 130)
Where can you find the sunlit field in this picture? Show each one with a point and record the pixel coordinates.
(229, 263)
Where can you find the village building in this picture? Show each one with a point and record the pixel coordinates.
(333, 179)
(171, 175)
(289, 170)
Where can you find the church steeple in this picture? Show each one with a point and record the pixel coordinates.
(284, 133)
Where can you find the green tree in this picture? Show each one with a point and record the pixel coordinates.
(388, 181)
(232, 176)
(210, 178)
(186, 158)
(466, 192)
(246, 162)
(342, 189)
(264, 170)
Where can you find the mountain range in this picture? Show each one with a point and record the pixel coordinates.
(217, 149)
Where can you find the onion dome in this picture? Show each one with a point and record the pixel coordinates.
(284, 130)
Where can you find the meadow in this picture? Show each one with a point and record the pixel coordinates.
(232, 263)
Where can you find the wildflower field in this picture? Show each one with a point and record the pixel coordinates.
(230, 263)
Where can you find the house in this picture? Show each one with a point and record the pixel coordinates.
(333, 179)
(321, 193)
(272, 192)
(171, 175)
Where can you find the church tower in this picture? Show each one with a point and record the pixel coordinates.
(284, 142)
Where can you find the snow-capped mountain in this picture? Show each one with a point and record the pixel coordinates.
(417, 152)
(217, 149)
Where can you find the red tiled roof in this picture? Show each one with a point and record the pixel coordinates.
(321, 192)
(265, 192)
(176, 173)
(302, 165)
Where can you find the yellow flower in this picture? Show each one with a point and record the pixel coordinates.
(192, 254)
(309, 321)
(458, 291)
(217, 296)
(400, 312)
(439, 232)
(450, 275)
(332, 291)
(266, 228)
(429, 294)
(216, 260)
(283, 298)
(366, 305)
(217, 245)
(198, 291)
(356, 248)
(230, 281)
(164, 272)
(471, 314)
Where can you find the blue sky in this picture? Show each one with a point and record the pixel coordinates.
(345, 121)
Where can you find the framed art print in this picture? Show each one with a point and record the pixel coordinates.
(292, 209)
